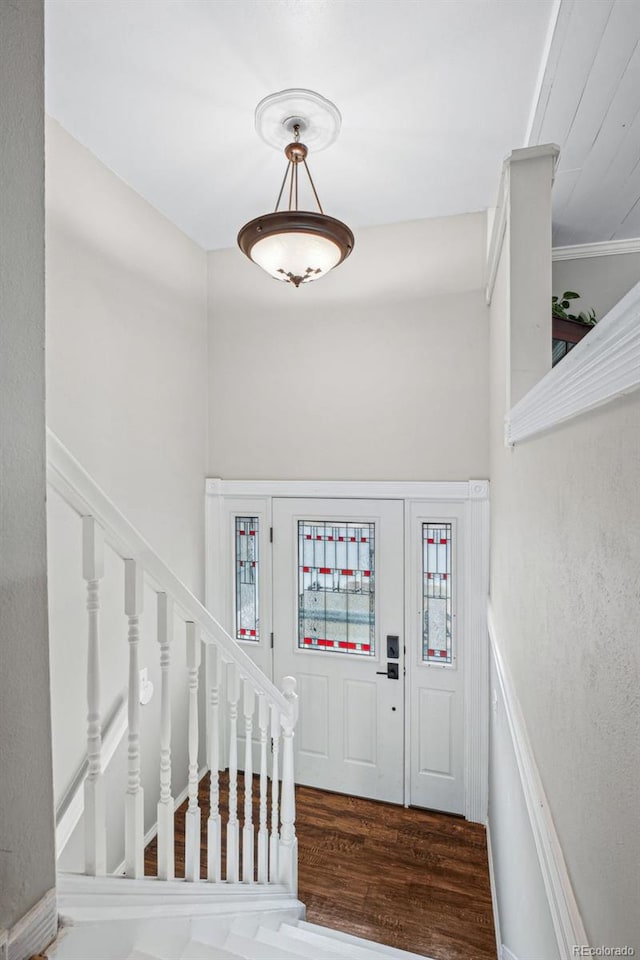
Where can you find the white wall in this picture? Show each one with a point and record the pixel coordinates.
(378, 371)
(27, 866)
(564, 572)
(126, 365)
(525, 921)
(126, 349)
(600, 281)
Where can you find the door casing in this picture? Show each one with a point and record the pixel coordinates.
(225, 499)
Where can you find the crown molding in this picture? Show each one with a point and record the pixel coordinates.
(607, 248)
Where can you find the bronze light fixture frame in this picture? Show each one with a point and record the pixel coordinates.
(294, 220)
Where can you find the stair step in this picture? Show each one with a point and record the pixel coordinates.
(296, 946)
(139, 955)
(196, 950)
(337, 937)
(326, 940)
(254, 950)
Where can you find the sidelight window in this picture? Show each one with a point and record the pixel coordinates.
(436, 593)
(247, 571)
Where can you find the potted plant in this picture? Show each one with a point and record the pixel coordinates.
(568, 328)
(560, 305)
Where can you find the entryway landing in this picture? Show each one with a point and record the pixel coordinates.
(408, 878)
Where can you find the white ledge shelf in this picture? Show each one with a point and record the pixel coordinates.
(603, 366)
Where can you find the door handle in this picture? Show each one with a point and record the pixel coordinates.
(392, 672)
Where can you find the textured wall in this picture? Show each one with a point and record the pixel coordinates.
(565, 557)
(27, 867)
(378, 371)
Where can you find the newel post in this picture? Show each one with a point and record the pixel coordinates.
(288, 853)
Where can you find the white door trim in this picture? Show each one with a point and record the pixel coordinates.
(475, 493)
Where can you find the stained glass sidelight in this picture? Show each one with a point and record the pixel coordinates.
(436, 593)
(336, 587)
(247, 560)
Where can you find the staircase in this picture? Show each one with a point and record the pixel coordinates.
(275, 931)
(241, 899)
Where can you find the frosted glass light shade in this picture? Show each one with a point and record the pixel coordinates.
(296, 254)
(296, 246)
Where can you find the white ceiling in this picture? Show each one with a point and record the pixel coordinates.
(590, 104)
(433, 94)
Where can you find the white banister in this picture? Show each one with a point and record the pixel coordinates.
(192, 839)
(94, 806)
(134, 799)
(232, 823)
(263, 834)
(288, 842)
(83, 495)
(273, 717)
(248, 703)
(166, 867)
(274, 840)
(214, 824)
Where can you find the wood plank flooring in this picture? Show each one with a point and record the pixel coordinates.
(408, 878)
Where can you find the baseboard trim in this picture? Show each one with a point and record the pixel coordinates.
(37, 929)
(152, 831)
(506, 954)
(494, 893)
(565, 915)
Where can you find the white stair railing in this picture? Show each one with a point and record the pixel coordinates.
(269, 855)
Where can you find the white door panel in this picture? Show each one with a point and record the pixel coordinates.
(436, 638)
(351, 728)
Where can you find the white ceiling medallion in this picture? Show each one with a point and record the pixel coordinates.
(319, 120)
(297, 245)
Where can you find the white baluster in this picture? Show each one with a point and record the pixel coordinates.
(94, 806)
(134, 799)
(274, 840)
(165, 804)
(263, 833)
(248, 703)
(232, 823)
(288, 842)
(214, 824)
(192, 839)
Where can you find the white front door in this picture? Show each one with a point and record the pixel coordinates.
(338, 612)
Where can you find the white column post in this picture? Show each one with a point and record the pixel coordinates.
(95, 857)
(134, 799)
(274, 839)
(165, 804)
(192, 838)
(232, 823)
(214, 824)
(263, 833)
(288, 841)
(248, 703)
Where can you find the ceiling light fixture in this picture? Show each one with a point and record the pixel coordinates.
(296, 246)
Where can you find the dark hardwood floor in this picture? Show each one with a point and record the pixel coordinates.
(408, 878)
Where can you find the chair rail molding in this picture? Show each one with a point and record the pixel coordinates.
(567, 921)
(603, 366)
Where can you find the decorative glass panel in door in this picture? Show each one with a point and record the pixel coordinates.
(336, 587)
(337, 596)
